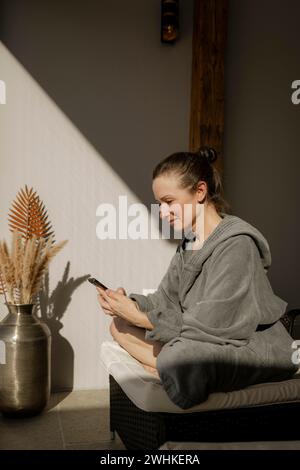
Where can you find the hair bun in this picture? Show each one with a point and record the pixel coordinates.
(209, 153)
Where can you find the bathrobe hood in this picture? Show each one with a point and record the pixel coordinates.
(231, 226)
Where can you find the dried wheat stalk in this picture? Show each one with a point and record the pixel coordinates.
(42, 267)
(7, 272)
(22, 271)
(2, 287)
(17, 259)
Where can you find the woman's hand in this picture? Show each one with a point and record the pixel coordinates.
(117, 303)
(103, 303)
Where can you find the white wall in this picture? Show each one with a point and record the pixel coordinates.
(41, 146)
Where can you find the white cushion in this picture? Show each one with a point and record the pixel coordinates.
(146, 391)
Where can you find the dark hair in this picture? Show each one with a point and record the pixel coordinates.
(193, 167)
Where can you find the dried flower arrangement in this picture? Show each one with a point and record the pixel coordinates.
(22, 269)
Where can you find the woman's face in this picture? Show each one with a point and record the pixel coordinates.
(179, 206)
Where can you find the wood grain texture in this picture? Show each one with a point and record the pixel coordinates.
(207, 87)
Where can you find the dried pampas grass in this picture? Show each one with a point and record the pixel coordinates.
(23, 268)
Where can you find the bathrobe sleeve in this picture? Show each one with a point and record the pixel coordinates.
(162, 307)
(226, 311)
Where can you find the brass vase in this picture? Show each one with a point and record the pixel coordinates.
(25, 365)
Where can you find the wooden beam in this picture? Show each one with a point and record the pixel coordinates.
(207, 87)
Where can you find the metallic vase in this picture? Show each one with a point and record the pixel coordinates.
(25, 362)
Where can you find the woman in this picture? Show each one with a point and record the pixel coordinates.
(213, 323)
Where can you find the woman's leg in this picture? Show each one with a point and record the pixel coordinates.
(132, 338)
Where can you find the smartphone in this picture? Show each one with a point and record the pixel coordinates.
(97, 283)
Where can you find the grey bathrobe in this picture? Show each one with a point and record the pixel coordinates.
(218, 318)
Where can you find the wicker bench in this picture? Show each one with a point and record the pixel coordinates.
(140, 429)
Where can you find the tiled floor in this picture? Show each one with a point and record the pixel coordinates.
(80, 420)
(76, 420)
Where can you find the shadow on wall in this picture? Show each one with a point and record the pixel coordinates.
(52, 309)
(127, 93)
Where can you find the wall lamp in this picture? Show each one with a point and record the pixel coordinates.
(169, 21)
